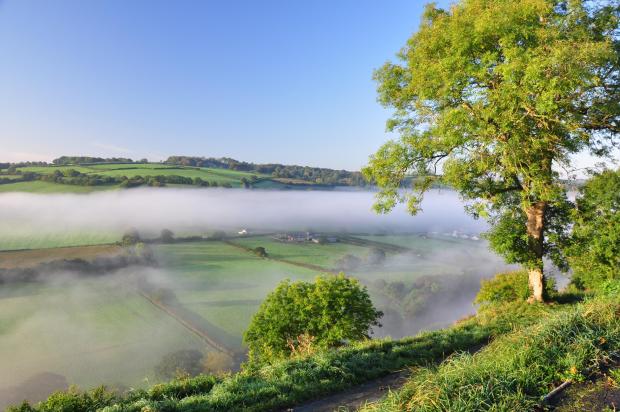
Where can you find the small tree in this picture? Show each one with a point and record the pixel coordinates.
(497, 94)
(130, 238)
(179, 364)
(594, 248)
(326, 313)
(260, 251)
(167, 236)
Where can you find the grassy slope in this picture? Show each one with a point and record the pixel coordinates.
(514, 372)
(510, 374)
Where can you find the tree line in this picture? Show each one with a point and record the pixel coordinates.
(310, 174)
(74, 177)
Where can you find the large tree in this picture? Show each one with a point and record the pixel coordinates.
(495, 96)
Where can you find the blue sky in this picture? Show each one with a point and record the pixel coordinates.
(284, 81)
(263, 81)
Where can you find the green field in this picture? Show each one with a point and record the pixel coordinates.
(223, 284)
(306, 252)
(89, 331)
(102, 330)
(38, 186)
(22, 238)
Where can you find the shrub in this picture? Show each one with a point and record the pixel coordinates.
(333, 310)
(260, 251)
(179, 363)
(508, 287)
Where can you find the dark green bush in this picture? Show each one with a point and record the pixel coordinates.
(508, 287)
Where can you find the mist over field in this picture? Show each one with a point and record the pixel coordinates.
(63, 327)
(192, 210)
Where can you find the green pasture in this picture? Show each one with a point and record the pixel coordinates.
(304, 252)
(424, 243)
(39, 186)
(223, 284)
(23, 238)
(88, 330)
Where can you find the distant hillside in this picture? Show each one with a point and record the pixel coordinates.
(84, 174)
(308, 174)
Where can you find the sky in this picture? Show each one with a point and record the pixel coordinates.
(264, 81)
(281, 81)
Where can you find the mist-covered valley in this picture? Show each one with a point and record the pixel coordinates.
(187, 302)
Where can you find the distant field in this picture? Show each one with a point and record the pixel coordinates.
(221, 176)
(306, 252)
(25, 258)
(16, 239)
(47, 187)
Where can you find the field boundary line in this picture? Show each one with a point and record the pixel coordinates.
(202, 335)
(288, 262)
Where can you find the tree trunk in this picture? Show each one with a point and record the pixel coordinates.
(535, 232)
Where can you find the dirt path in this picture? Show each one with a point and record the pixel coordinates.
(353, 398)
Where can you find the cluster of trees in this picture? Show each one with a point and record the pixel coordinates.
(78, 160)
(348, 262)
(310, 174)
(425, 293)
(593, 248)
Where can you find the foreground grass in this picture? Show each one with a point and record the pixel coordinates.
(515, 371)
(291, 382)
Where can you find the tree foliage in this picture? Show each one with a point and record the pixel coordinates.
(332, 310)
(594, 249)
(496, 95)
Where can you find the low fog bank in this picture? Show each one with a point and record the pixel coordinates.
(150, 210)
(440, 289)
(69, 328)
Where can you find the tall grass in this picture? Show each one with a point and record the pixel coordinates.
(515, 371)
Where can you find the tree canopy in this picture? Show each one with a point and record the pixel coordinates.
(594, 248)
(495, 96)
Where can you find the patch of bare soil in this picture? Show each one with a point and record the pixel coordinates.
(591, 396)
(600, 394)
